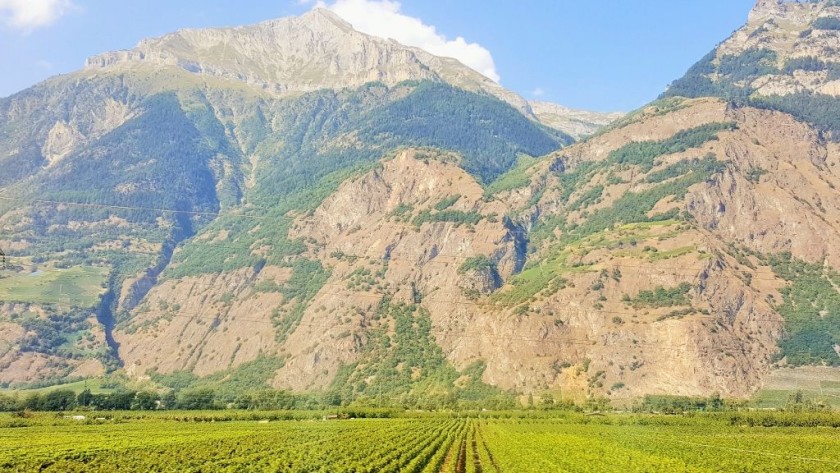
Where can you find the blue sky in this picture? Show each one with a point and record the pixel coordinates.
(595, 54)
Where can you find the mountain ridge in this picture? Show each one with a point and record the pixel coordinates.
(419, 239)
(355, 58)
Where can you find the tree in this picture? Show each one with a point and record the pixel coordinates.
(60, 400)
(122, 400)
(84, 398)
(145, 401)
(169, 400)
(197, 399)
(547, 401)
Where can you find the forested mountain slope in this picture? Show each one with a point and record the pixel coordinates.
(107, 170)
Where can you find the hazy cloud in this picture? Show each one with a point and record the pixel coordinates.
(383, 18)
(27, 15)
(538, 92)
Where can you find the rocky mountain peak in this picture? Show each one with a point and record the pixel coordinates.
(324, 17)
(794, 10)
(287, 56)
(785, 48)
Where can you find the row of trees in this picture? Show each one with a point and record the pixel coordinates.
(210, 399)
(65, 400)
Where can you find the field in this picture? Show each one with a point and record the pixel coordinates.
(506, 442)
(95, 385)
(821, 383)
(80, 286)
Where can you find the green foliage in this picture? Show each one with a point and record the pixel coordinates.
(735, 73)
(79, 286)
(402, 365)
(662, 297)
(813, 64)
(516, 178)
(546, 277)
(161, 148)
(811, 310)
(754, 174)
(750, 64)
(828, 23)
(634, 207)
(50, 335)
(644, 154)
(819, 110)
(679, 404)
(534, 441)
(709, 165)
(365, 279)
(477, 263)
(308, 278)
(487, 132)
(402, 210)
(544, 229)
(299, 175)
(452, 216)
(589, 197)
(196, 399)
(447, 202)
(226, 385)
(256, 229)
(696, 82)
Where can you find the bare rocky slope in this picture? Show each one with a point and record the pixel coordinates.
(686, 249)
(584, 316)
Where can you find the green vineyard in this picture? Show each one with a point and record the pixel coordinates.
(509, 442)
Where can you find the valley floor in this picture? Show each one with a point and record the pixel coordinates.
(504, 442)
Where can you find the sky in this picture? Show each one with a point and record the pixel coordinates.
(602, 55)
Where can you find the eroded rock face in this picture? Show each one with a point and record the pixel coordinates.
(778, 195)
(201, 324)
(542, 308)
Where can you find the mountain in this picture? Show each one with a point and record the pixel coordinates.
(577, 123)
(109, 169)
(290, 56)
(418, 240)
(784, 58)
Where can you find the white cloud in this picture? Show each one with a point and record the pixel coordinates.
(27, 15)
(383, 18)
(538, 92)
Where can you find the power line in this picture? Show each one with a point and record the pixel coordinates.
(569, 340)
(122, 207)
(326, 326)
(454, 257)
(461, 302)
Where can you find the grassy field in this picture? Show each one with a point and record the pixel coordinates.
(79, 286)
(93, 384)
(818, 383)
(506, 442)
